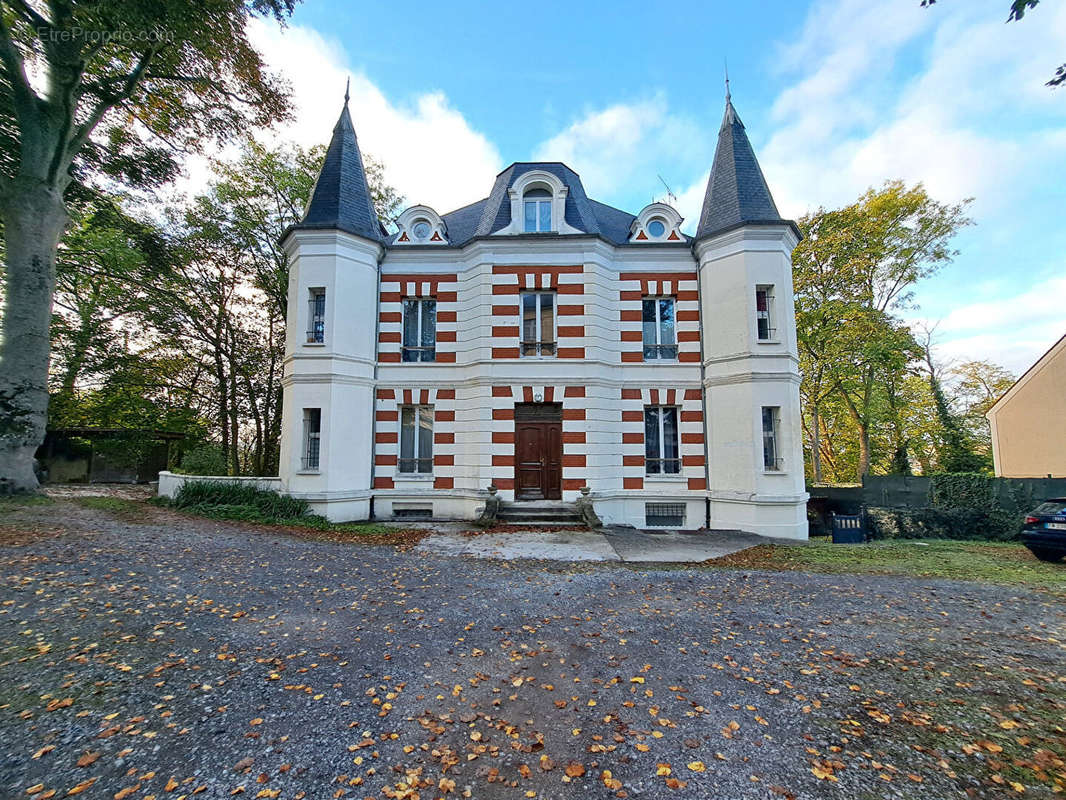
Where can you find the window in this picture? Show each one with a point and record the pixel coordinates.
(764, 308)
(770, 422)
(419, 330)
(421, 230)
(658, 319)
(416, 439)
(661, 456)
(312, 438)
(656, 227)
(316, 317)
(664, 515)
(538, 210)
(538, 324)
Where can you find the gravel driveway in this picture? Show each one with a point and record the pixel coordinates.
(158, 655)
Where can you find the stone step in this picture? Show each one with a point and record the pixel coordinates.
(558, 514)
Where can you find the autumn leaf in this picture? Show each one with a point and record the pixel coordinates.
(824, 772)
(122, 794)
(662, 769)
(88, 758)
(674, 783)
(576, 770)
(697, 766)
(81, 787)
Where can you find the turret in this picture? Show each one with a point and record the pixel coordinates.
(750, 357)
(331, 336)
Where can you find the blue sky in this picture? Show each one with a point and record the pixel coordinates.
(836, 95)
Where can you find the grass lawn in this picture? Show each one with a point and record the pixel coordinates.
(992, 562)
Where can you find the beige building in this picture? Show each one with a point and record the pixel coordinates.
(1029, 421)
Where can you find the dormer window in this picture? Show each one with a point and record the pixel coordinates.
(421, 230)
(538, 210)
(656, 223)
(421, 225)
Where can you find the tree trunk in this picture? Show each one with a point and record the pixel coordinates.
(34, 217)
(816, 443)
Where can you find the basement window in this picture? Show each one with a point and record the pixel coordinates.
(405, 511)
(664, 515)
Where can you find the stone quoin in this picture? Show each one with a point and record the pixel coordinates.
(541, 341)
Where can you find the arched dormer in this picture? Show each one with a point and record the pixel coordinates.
(538, 204)
(657, 222)
(421, 225)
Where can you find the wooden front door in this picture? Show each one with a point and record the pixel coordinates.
(538, 451)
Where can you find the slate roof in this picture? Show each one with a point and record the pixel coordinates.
(492, 214)
(737, 193)
(340, 198)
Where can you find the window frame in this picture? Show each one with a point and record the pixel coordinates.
(767, 314)
(541, 203)
(658, 347)
(540, 341)
(316, 322)
(311, 457)
(417, 457)
(420, 320)
(661, 459)
(772, 462)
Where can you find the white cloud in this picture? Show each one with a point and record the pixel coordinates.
(1008, 326)
(623, 148)
(950, 96)
(431, 153)
(959, 125)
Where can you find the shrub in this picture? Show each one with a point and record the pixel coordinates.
(969, 524)
(242, 501)
(203, 460)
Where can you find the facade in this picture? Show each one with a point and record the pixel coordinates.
(1028, 433)
(541, 341)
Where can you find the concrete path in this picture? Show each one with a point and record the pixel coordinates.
(610, 544)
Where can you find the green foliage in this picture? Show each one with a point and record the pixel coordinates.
(246, 503)
(854, 273)
(986, 525)
(968, 506)
(235, 500)
(963, 490)
(207, 459)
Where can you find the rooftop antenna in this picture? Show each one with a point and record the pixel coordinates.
(669, 192)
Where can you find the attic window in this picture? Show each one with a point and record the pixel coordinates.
(537, 205)
(656, 227)
(421, 230)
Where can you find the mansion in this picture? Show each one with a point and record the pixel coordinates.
(541, 341)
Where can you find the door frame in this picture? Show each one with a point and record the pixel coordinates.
(548, 417)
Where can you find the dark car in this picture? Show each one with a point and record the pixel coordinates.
(1045, 530)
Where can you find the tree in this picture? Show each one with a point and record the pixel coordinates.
(1017, 11)
(112, 80)
(230, 237)
(977, 386)
(854, 269)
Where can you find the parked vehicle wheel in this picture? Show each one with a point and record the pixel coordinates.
(1045, 554)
